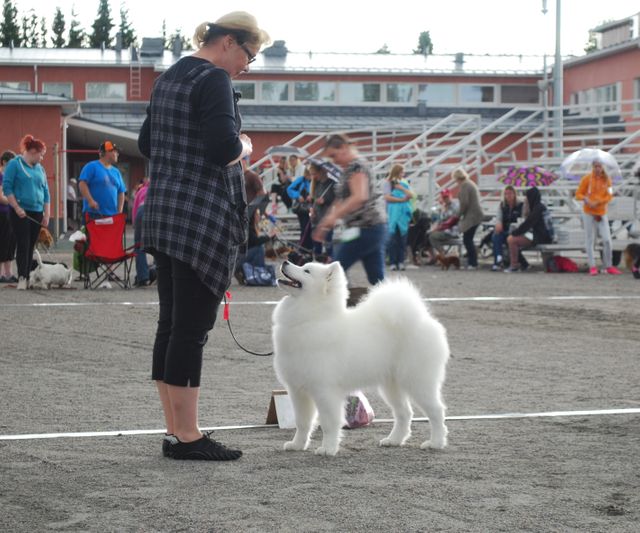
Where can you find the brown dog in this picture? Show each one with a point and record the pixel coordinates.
(448, 261)
(632, 259)
(45, 238)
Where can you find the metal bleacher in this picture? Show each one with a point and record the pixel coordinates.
(487, 146)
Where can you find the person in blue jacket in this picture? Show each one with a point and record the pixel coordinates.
(26, 189)
(300, 192)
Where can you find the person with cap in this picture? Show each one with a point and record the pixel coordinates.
(447, 227)
(101, 185)
(195, 218)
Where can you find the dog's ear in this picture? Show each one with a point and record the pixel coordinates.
(334, 274)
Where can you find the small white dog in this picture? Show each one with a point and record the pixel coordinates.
(44, 276)
(324, 351)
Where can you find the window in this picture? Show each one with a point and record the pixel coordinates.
(476, 94)
(314, 91)
(437, 94)
(519, 94)
(21, 85)
(358, 93)
(247, 90)
(275, 91)
(64, 89)
(106, 91)
(400, 92)
(607, 95)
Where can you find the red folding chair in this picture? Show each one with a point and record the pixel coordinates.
(106, 250)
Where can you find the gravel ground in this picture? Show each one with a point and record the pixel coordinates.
(525, 343)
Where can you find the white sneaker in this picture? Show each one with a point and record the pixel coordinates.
(22, 284)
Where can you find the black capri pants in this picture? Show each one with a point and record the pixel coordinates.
(188, 311)
(26, 232)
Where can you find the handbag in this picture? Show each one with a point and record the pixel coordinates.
(259, 276)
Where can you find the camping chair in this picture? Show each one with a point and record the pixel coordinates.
(106, 251)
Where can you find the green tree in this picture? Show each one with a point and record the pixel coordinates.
(43, 33)
(77, 35)
(58, 28)
(425, 46)
(126, 30)
(384, 49)
(592, 43)
(9, 29)
(102, 26)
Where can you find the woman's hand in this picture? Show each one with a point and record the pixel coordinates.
(45, 221)
(20, 212)
(498, 228)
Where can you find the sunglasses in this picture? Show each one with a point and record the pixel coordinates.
(250, 57)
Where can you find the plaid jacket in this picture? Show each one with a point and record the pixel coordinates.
(195, 211)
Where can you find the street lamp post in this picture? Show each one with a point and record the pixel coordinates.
(557, 81)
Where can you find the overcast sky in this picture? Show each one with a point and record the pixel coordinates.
(470, 26)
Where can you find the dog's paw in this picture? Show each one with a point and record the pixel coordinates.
(391, 442)
(326, 451)
(434, 444)
(293, 446)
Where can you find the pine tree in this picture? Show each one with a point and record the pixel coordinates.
(34, 31)
(102, 27)
(164, 34)
(77, 35)
(58, 28)
(9, 29)
(126, 30)
(43, 33)
(425, 46)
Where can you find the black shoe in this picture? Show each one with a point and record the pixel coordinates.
(204, 449)
(167, 445)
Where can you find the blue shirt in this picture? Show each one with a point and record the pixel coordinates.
(104, 185)
(299, 186)
(27, 183)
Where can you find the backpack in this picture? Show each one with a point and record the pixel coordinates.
(561, 264)
(259, 276)
(548, 224)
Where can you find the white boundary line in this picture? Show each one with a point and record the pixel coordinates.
(269, 302)
(499, 416)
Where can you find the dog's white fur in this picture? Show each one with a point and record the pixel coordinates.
(324, 351)
(45, 276)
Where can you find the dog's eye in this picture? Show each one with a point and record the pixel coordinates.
(307, 271)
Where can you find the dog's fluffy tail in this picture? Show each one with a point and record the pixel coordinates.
(38, 258)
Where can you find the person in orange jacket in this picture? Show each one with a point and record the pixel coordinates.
(595, 192)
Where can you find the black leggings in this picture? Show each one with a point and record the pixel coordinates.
(187, 312)
(467, 239)
(26, 232)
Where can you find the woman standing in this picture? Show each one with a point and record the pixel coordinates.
(26, 189)
(595, 192)
(195, 214)
(7, 238)
(397, 195)
(360, 207)
(470, 214)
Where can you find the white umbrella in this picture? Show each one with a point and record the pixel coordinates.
(579, 163)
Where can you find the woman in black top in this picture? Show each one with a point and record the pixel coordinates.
(534, 224)
(195, 214)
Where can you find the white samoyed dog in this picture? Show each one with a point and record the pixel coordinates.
(325, 351)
